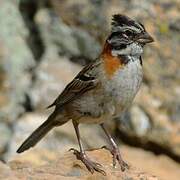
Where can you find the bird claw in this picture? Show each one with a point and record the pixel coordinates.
(91, 166)
(117, 157)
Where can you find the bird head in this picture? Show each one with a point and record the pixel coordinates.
(128, 36)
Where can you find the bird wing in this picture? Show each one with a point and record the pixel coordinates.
(83, 82)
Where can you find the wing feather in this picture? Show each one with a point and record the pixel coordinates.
(83, 82)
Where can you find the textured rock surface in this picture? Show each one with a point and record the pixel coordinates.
(43, 164)
(16, 59)
(69, 41)
(68, 167)
(15, 62)
(49, 82)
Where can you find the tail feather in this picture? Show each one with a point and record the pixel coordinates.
(38, 134)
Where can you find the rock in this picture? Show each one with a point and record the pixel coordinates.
(52, 74)
(41, 162)
(140, 121)
(161, 166)
(161, 125)
(6, 134)
(66, 166)
(175, 111)
(175, 25)
(70, 41)
(16, 59)
(84, 15)
(6, 173)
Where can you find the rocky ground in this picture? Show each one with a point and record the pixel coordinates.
(43, 44)
(68, 167)
(44, 164)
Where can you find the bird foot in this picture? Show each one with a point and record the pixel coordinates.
(117, 157)
(91, 166)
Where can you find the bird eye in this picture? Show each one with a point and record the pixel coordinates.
(129, 33)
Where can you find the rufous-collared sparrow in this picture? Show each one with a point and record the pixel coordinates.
(102, 90)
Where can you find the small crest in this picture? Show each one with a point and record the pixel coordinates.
(119, 21)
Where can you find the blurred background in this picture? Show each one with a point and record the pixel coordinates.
(45, 43)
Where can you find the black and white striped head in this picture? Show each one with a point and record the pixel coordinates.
(127, 36)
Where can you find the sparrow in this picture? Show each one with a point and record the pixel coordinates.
(102, 90)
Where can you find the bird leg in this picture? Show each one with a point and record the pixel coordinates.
(81, 155)
(114, 150)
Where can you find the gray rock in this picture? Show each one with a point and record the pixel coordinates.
(52, 74)
(5, 172)
(175, 111)
(70, 41)
(91, 15)
(175, 25)
(135, 122)
(6, 134)
(140, 121)
(17, 58)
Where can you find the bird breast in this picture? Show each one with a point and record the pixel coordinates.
(123, 85)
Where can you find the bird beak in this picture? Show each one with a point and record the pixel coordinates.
(144, 38)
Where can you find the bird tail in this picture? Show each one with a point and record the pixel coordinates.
(38, 134)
